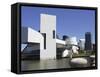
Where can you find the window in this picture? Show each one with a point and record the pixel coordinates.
(44, 35)
(53, 33)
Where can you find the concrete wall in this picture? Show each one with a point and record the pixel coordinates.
(47, 25)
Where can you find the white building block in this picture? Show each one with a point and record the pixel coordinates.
(48, 26)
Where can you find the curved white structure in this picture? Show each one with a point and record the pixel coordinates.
(65, 53)
(75, 49)
(80, 61)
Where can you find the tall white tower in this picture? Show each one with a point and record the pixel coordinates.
(48, 29)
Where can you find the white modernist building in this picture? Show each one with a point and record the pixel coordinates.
(45, 41)
(46, 37)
